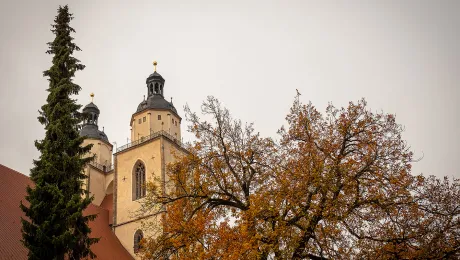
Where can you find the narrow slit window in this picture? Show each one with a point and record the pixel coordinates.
(139, 189)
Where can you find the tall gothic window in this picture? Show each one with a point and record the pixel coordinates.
(137, 240)
(139, 181)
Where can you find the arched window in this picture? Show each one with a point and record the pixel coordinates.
(139, 181)
(157, 89)
(151, 89)
(137, 240)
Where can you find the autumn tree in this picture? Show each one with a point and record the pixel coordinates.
(336, 186)
(55, 227)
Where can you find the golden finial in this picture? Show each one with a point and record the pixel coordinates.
(155, 65)
(92, 97)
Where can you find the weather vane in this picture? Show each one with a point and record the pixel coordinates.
(155, 65)
(92, 97)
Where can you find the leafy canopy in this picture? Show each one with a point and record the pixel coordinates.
(336, 186)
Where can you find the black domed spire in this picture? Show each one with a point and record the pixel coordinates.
(92, 112)
(155, 83)
(155, 94)
(156, 102)
(90, 128)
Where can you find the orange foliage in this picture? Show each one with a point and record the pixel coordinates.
(334, 187)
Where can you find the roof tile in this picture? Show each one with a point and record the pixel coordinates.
(13, 189)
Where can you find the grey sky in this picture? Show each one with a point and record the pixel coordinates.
(402, 56)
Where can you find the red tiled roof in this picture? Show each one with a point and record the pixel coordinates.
(107, 203)
(108, 247)
(13, 189)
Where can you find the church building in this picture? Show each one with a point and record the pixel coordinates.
(155, 140)
(116, 178)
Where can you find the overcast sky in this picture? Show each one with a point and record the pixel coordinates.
(402, 56)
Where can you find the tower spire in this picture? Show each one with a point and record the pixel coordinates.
(92, 97)
(155, 83)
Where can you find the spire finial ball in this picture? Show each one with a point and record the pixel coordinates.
(92, 96)
(155, 65)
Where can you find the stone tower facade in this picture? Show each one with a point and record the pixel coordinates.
(155, 142)
(100, 171)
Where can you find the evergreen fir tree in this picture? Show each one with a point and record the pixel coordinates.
(55, 227)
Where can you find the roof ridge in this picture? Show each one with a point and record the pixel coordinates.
(19, 173)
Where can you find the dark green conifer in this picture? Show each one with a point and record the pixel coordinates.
(55, 227)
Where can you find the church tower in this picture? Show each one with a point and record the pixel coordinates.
(155, 114)
(100, 171)
(155, 140)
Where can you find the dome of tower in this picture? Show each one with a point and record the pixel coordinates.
(155, 94)
(154, 75)
(91, 107)
(92, 131)
(156, 102)
(90, 128)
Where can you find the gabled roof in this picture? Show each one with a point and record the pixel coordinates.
(13, 189)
